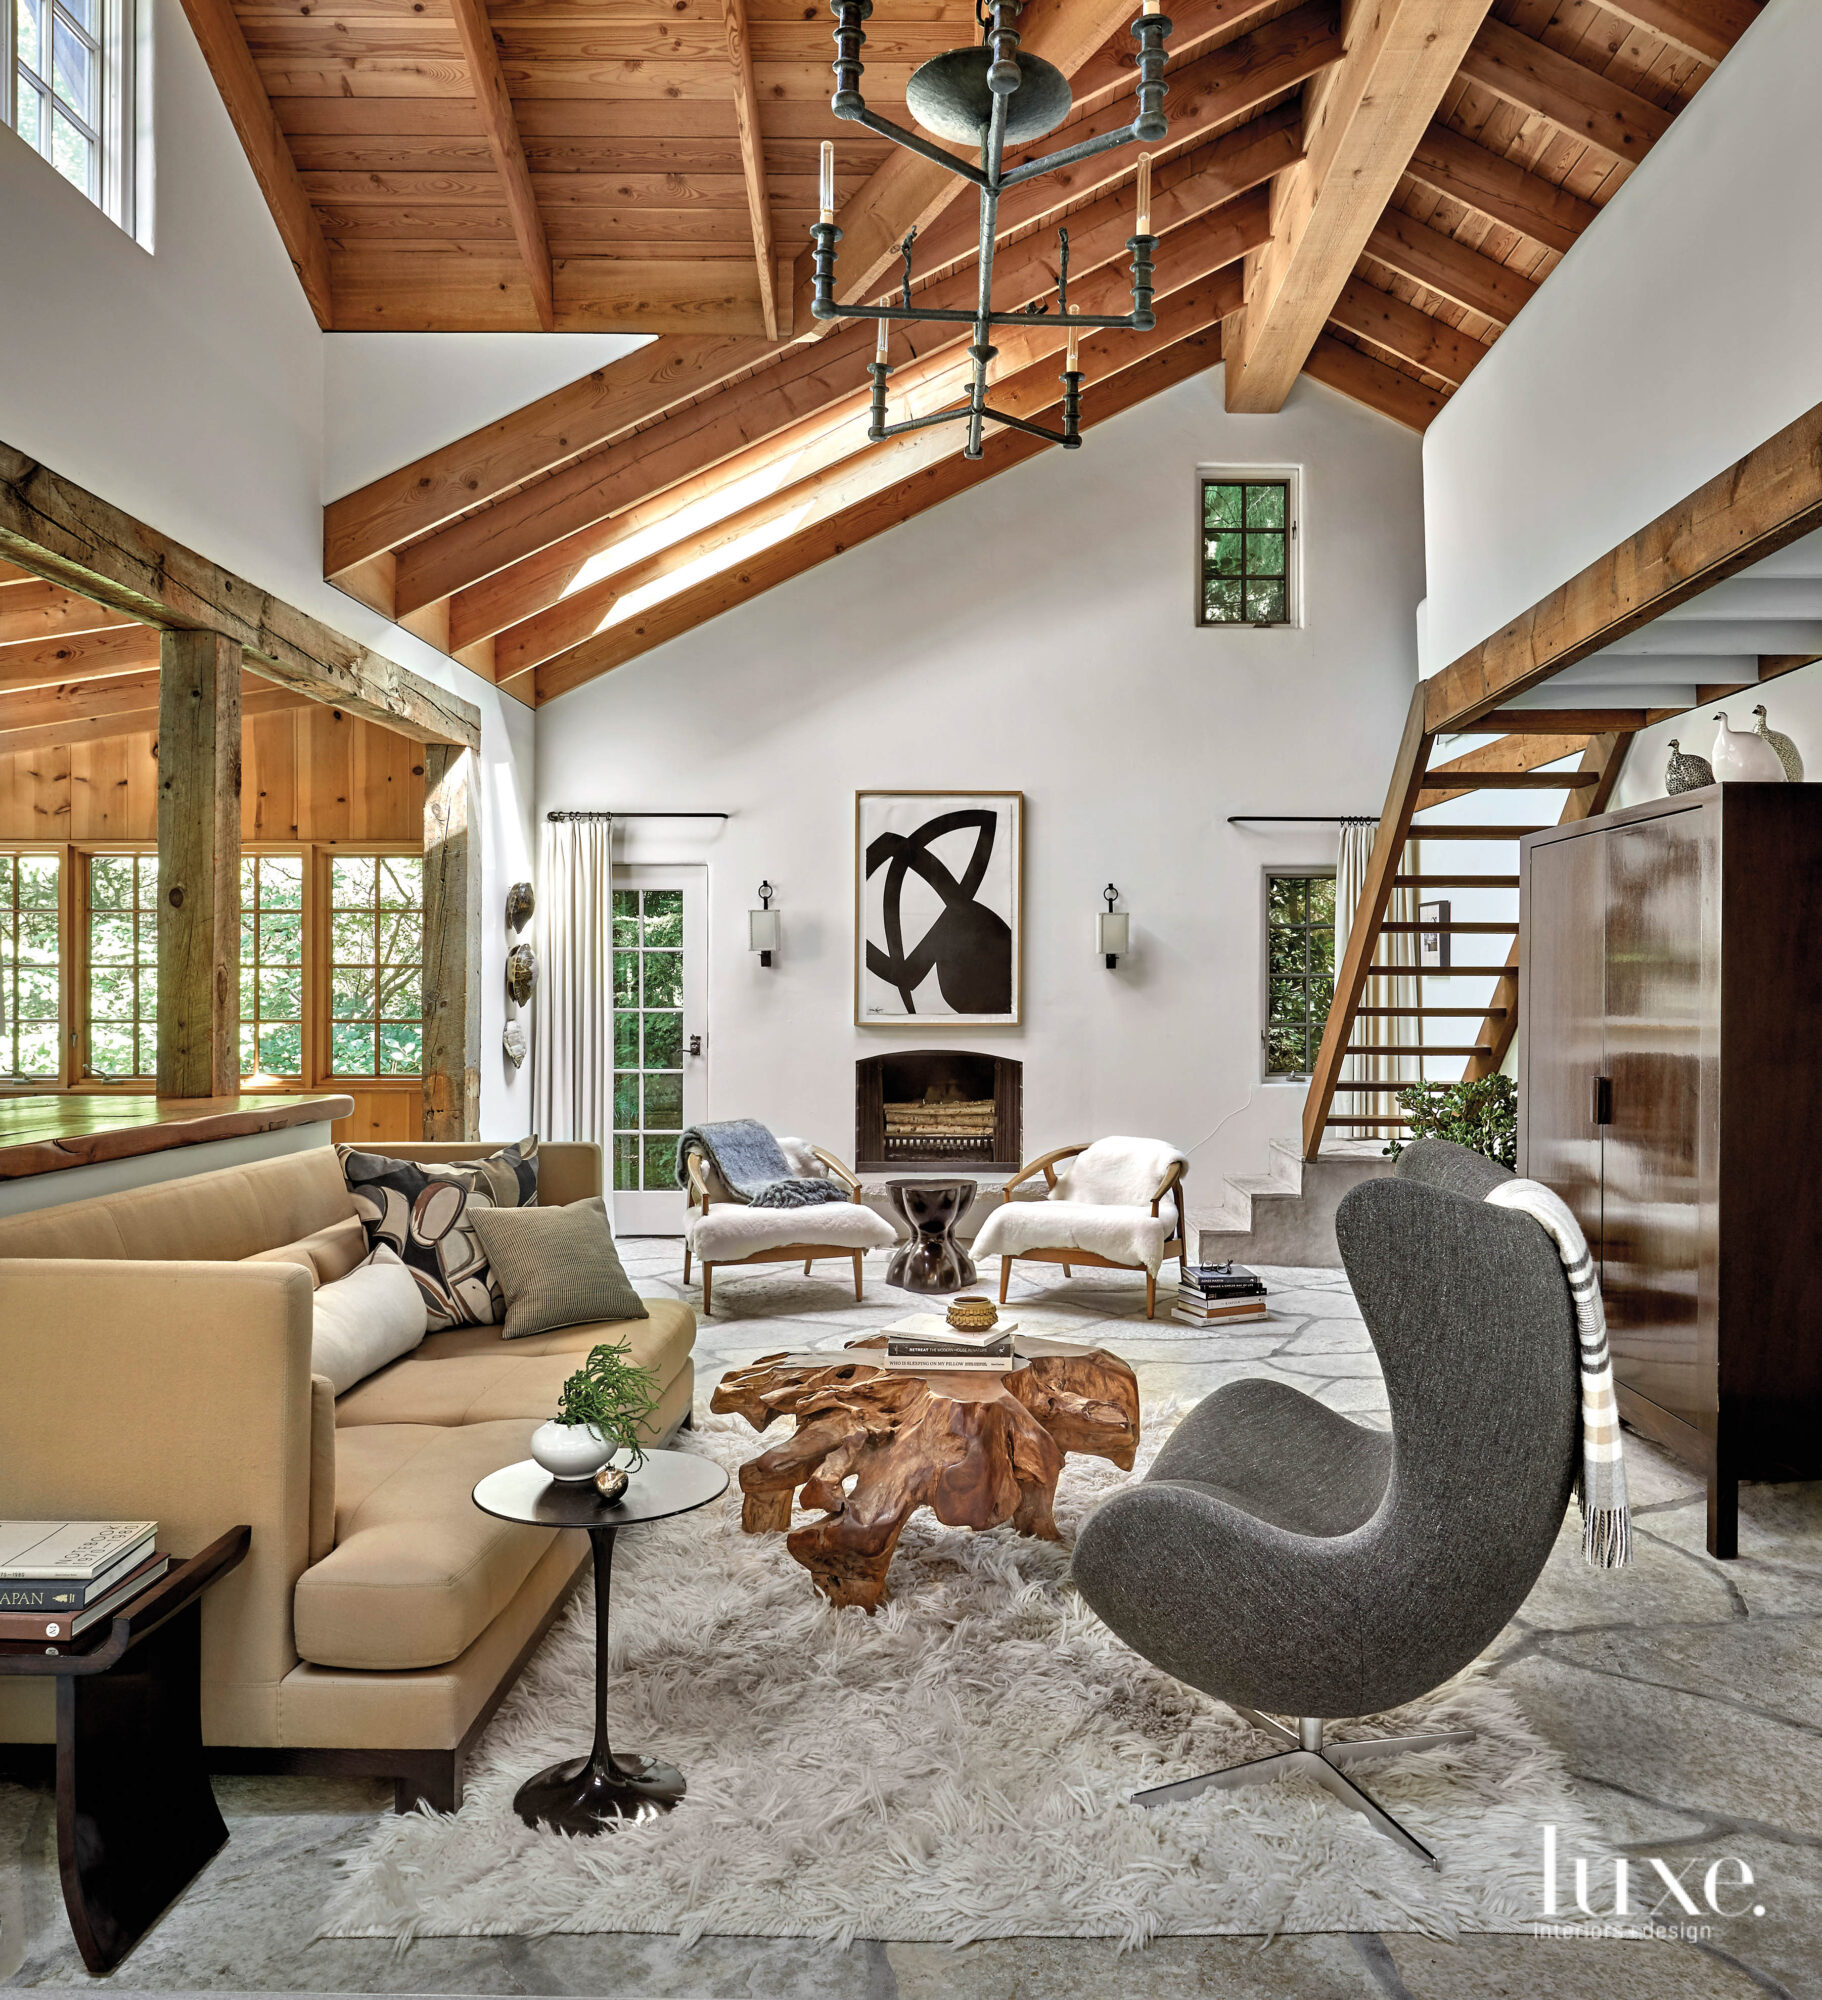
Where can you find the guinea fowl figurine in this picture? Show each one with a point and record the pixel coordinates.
(1742, 757)
(1788, 753)
(1685, 773)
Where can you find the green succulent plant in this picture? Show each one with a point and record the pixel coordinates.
(1482, 1114)
(613, 1396)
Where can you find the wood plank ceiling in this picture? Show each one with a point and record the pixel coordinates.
(650, 164)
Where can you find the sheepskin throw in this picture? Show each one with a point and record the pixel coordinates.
(1101, 1203)
(753, 1165)
(1601, 1484)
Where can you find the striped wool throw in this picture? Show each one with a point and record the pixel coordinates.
(1601, 1488)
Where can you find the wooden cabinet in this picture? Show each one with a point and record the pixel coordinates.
(1670, 1090)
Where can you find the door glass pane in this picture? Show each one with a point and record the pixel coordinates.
(648, 1037)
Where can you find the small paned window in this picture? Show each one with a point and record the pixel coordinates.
(70, 88)
(121, 1039)
(648, 1037)
(1300, 969)
(376, 968)
(31, 968)
(1248, 534)
(272, 965)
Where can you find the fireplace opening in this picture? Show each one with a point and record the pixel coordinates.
(933, 1108)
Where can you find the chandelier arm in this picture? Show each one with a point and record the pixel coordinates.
(953, 416)
(1087, 150)
(913, 143)
(964, 316)
(993, 416)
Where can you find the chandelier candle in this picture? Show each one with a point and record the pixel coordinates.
(988, 97)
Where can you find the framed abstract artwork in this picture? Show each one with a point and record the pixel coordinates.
(939, 908)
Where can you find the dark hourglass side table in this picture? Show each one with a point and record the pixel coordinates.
(933, 1261)
(584, 1794)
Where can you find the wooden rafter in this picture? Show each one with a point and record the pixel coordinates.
(752, 158)
(1430, 344)
(1500, 189)
(1112, 69)
(1364, 116)
(93, 722)
(1390, 391)
(1452, 269)
(36, 611)
(839, 532)
(224, 48)
(1704, 28)
(122, 648)
(1758, 505)
(571, 503)
(500, 124)
(1556, 87)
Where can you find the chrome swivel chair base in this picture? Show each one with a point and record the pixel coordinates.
(1306, 1751)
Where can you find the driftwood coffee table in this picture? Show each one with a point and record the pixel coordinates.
(977, 1448)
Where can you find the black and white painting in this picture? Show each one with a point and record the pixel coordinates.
(938, 919)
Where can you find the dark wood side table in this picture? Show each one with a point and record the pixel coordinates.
(932, 1261)
(136, 1818)
(585, 1794)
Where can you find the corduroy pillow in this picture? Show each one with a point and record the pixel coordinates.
(556, 1266)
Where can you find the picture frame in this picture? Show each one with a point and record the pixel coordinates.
(939, 908)
(1433, 939)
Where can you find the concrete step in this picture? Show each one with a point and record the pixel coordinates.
(1287, 1216)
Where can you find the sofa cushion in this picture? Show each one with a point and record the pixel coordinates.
(452, 1380)
(727, 1232)
(421, 1213)
(556, 1266)
(418, 1572)
(365, 1320)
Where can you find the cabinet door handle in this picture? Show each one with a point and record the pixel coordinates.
(1600, 1111)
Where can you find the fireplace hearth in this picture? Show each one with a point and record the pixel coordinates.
(936, 1108)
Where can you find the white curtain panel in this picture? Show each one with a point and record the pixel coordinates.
(1396, 949)
(572, 1034)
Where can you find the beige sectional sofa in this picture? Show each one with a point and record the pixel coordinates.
(155, 1362)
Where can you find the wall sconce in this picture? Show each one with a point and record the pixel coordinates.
(1112, 930)
(762, 925)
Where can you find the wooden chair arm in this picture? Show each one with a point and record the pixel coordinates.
(1173, 1179)
(842, 1172)
(1046, 1166)
(698, 1188)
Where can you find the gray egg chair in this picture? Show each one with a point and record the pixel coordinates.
(1293, 1563)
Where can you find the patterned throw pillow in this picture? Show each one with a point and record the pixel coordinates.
(419, 1211)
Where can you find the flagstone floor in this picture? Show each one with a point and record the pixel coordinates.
(1683, 1693)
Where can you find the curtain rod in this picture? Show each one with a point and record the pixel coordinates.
(1301, 819)
(554, 816)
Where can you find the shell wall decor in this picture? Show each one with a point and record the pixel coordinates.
(521, 973)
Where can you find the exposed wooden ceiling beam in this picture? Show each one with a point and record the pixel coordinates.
(1453, 269)
(82, 713)
(1759, 504)
(752, 159)
(1114, 67)
(1205, 94)
(571, 503)
(1500, 189)
(224, 48)
(121, 649)
(1388, 322)
(1704, 28)
(36, 611)
(1541, 79)
(500, 124)
(1388, 390)
(51, 526)
(1363, 116)
(666, 374)
(1199, 249)
(748, 573)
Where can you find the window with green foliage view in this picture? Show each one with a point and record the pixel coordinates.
(1300, 969)
(30, 968)
(1246, 552)
(122, 1037)
(376, 965)
(272, 965)
(648, 1037)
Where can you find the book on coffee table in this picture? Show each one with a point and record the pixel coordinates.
(930, 1334)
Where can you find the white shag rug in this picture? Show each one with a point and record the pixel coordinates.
(956, 1767)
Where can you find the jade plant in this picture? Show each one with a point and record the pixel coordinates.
(1482, 1114)
(612, 1396)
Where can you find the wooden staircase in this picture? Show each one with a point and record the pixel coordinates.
(1529, 739)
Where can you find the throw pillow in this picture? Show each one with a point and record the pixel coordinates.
(366, 1319)
(556, 1266)
(421, 1211)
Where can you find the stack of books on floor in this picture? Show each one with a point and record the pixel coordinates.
(1219, 1294)
(927, 1340)
(57, 1578)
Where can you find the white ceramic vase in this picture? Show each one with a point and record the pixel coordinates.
(571, 1453)
(1742, 756)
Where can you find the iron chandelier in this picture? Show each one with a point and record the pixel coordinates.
(987, 97)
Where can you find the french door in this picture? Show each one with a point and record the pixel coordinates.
(660, 1038)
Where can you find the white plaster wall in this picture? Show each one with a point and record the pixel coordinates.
(1035, 634)
(187, 387)
(1679, 333)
